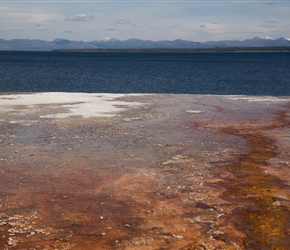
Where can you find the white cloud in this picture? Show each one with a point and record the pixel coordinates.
(122, 22)
(160, 20)
(80, 17)
(21, 17)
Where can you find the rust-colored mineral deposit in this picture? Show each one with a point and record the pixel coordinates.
(103, 171)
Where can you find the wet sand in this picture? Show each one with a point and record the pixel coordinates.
(100, 171)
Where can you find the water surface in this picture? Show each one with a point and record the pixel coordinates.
(178, 73)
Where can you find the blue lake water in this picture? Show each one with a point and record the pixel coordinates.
(179, 73)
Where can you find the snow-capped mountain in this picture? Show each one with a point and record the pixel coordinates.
(113, 43)
(108, 39)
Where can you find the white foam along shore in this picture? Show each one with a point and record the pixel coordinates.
(71, 104)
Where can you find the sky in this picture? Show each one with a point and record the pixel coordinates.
(154, 20)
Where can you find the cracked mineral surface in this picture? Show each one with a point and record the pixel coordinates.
(101, 171)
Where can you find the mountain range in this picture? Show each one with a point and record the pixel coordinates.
(112, 43)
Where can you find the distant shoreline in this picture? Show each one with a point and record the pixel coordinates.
(182, 50)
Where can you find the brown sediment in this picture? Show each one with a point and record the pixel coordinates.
(179, 172)
(252, 189)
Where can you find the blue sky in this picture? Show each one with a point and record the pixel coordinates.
(152, 20)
